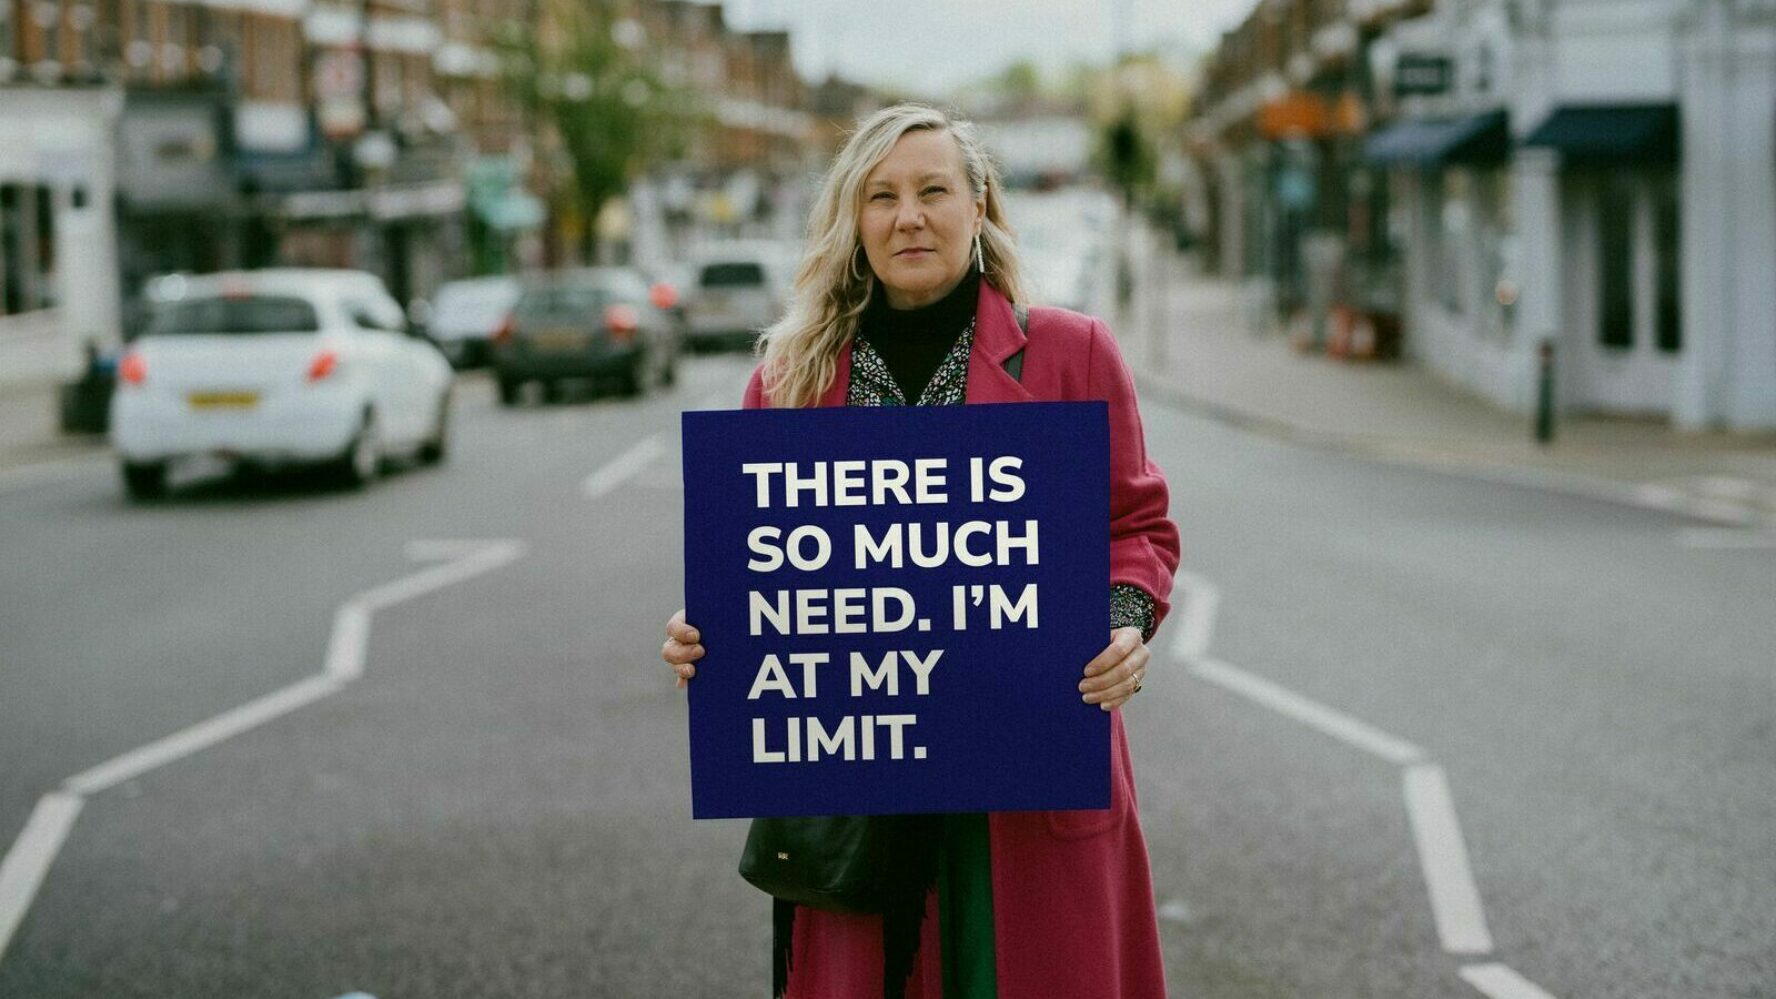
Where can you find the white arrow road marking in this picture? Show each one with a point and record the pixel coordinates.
(28, 861)
(623, 467)
(1442, 852)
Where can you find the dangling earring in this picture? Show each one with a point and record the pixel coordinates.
(856, 275)
(980, 263)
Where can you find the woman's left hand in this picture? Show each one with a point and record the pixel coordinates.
(1118, 671)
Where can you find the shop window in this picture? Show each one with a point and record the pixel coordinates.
(1451, 229)
(9, 40)
(80, 37)
(12, 249)
(1667, 235)
(107, 44)
(178, 37)
(138, 47)
(1496, 242)
(47, 16)
(1615, 284)
(44, 278)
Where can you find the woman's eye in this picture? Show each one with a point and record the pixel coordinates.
(882, 196)
(929, 191)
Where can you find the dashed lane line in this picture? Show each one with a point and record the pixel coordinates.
(28, 861)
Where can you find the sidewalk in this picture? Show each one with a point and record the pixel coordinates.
(1191, 346)
(34, 363)
(29, 434)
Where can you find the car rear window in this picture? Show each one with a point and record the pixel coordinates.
(563, 301)
(242, 315)
(733, 274)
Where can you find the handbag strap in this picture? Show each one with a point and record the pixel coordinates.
(1014, 365)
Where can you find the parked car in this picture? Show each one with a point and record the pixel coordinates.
(464, 315)
(596, 323)
(278, 367)
(736, 290)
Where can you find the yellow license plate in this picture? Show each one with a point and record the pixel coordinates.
(223, 400)
(560, 339)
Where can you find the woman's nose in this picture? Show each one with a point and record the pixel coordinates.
(910, 217)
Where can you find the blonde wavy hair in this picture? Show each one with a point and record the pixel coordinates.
(801, 350)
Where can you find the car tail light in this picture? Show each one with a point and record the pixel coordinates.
(323, 365)
(506, 326)
(132, 369)
(622, 321)
(663, 295)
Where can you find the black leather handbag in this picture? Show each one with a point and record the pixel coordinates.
(838, 863)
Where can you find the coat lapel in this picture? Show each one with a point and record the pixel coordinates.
(996, 337)
(840, 389)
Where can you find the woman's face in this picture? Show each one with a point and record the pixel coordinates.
(918, 219)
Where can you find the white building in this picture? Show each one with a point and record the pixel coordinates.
(1630, 221)
(58, 234)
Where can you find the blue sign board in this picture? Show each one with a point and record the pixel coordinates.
(897, 606)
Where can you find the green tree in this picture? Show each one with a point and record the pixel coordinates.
(580, 70)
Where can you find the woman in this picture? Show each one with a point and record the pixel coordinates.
(906, 296)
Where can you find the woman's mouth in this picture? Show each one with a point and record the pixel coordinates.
(913, 251)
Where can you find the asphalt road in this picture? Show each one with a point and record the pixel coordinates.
(499, 807)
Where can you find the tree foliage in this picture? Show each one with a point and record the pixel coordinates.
(582, 73)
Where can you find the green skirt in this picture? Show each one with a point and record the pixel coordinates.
(965, 909)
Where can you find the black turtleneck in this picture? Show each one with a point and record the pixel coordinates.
(913, 342)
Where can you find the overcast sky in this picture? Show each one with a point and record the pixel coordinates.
(929, 46)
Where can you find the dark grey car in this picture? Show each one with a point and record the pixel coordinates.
(593, 323)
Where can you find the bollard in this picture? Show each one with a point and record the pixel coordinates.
(1544, 428)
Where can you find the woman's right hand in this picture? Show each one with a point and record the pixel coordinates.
(681, 648)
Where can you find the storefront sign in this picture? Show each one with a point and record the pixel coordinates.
(1418, 74)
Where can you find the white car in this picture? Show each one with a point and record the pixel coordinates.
(466, 314)
(736, 289)
(278, 367)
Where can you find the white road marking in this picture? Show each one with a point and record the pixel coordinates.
(1499, 982)
(1666, 497)
(1175, 911)
(28, 860)
(26, 864)
(1200, 602)
(203, 735)
(1725, 537)
(1728, 487)
(623, 467)
(1314, 715)
(491, 555)
(1455, 901)
(351, 637)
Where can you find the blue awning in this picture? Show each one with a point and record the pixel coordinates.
(1477, 139)
(1611, 134)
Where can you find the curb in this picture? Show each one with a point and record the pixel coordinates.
(1641, 497)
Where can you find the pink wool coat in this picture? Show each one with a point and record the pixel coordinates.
(1072, 895)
